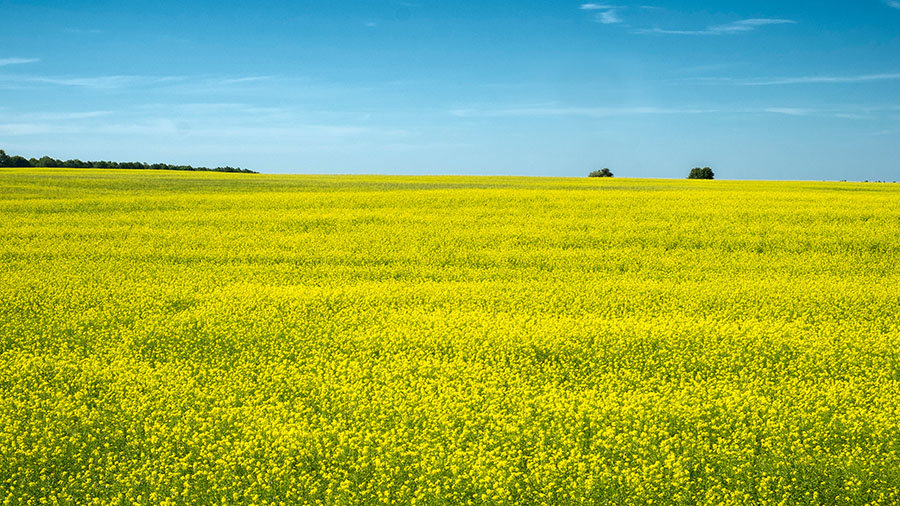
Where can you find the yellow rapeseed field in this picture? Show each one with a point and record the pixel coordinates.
(199, 338)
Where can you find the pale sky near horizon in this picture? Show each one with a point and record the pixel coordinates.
(756, 89)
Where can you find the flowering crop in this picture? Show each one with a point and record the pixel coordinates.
(193, 338)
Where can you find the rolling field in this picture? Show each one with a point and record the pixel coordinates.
(199, 338)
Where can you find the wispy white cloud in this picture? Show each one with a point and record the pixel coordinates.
(881, 133)
(549, 110)
(218, 123)
(851, 112)
(203, 83)
(852, 115)
(66, 116)
(219, 108)
(741, 26)
(204, 128)
(780, 81)
(17, 61)
(101, 82)
(28, 129)
(248, 79)
(893, 3)
(790, 111)
(825, 79)
(597, 7)
(557, 110)
(609, 17)
(747, 25)
(35, 123)
(709, 67)
(84, 31)
(604, 13)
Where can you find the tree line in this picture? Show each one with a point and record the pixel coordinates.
(46, 161)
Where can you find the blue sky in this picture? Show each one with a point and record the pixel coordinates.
(756, 89)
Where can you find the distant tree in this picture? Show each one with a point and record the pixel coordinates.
(604, 172)
(704, 173)
(18, 161)
(4, 159)
(46, 161)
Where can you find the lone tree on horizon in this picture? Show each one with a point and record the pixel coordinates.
(601, 173)
(704, 173)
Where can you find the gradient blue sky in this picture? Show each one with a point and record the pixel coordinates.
(757, 89)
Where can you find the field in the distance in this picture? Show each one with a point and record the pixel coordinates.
(193, 338)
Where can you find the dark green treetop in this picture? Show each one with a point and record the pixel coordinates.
(704, 173)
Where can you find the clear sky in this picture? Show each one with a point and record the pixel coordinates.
(758, 89)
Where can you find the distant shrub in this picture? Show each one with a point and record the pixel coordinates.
(704, 173)
(604, 172)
